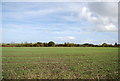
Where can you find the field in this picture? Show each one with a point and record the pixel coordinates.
(60, 62)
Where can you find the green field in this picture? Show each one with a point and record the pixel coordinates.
(60, 62)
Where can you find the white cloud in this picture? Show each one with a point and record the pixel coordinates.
(109, 28)
(104, 8)
(98, 14)
(106, 19)
(66, 38)
(88, 15)
(60, 20)
(102, 22)
(70, 37)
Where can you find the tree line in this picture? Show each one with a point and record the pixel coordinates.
(52, 44)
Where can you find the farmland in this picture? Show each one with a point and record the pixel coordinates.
(60, 62)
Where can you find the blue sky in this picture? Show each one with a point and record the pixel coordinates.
(79, 22)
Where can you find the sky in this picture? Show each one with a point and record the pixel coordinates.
(74, 22)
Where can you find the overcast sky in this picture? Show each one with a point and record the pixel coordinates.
(81, 22)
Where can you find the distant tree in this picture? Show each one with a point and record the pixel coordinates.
(115, 44)
(68, 44)
(110, 45)
(77, 45)
(104, 45)
(35, 45)
(30, 45)
(86, 45)
(65, 44)
(45, 44)
(18, 45)
(51, 44)
(118, 45)
(39, 44)
(71, 44)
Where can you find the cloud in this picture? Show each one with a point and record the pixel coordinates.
(71, 38)
(59, 21)
(100, 41)
(66, 38)
(104, 8)
(102, 16)
(99, 15)
(87, 14)
(109, 28)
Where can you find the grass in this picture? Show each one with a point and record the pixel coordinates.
(60, 62)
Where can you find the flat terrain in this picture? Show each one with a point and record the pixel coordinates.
(60, 62)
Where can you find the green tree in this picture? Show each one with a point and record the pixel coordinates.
(115, 44)
(51, 44)
(39, 44)
(104, 44)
